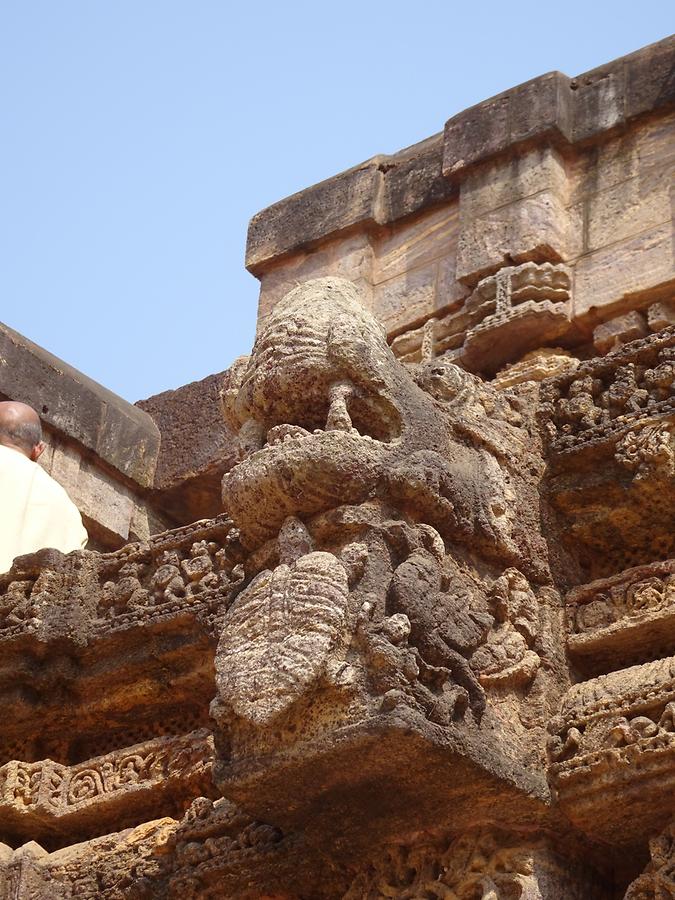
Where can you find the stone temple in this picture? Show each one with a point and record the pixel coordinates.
(386, 610)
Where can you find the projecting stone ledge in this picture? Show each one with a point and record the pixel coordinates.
(121, 435)
(551, 109)
(379, 191)
(59, 804)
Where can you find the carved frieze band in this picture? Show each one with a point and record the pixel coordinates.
(634, 610)
(529, 294)
(187, 570)
(621, 723)
(612, 399)
(47, 791)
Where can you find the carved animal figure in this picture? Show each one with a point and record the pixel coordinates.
(444, 623)
(326, 415)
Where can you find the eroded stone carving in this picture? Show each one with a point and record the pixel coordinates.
(403, 703)
(624, 617)
(658, 880)
(613, 731)
(368, 430)
(537, 365)
(508, 657)
(508, 314)
(480, 865)
(283, 630)
(38, 797)
(647, 451)
(382, 511)
(184, 568)
(519, 307)
(609, 397)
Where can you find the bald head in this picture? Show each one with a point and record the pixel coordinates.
(20, 429)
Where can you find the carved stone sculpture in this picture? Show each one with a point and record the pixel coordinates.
(381, 512)
(425, 647)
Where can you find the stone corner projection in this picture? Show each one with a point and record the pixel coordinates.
(387, 609)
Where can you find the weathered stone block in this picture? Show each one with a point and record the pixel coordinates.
(417, 243)
(649, 82)
(123, 436)
(629, 208)
(353, 258)
(277, 281)
(155, 600)
(624, 273)
(409, 296)
(538, 109)
(624, 618)
(598, 102)
(382, 762)
(660, 315)
(326, 209)
(149, 779)
(504, 181)
(414, 180)
(535, 228)
(197, 447)
(106, 504)
(619, 331)
(545, 362)
(626, 155)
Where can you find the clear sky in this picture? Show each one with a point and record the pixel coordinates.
(140, 136)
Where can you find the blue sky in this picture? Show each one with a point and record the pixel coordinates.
(140, 136)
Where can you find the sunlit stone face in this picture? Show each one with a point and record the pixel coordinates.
(323, 408)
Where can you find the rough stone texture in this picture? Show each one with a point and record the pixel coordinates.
(575, 171)
(613, 334)
(514, 212)
(546, 362)
(378, 192)
(415, 689)
(122, 436)
(552, 109)
(427, 649)
(101, 449)
(196, 450)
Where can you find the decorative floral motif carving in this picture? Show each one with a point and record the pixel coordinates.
(481, 866)
(628, 615)
(647, 451)
(658, 880)
(607, 398)
(167, 764)
(194, 567)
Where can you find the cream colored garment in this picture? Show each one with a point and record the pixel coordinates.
(35, 511)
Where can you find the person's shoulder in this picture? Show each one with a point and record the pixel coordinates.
(16, 469)
(10, 457)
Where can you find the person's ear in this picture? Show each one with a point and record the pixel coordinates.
(37, 451)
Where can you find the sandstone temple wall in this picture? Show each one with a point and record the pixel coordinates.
(387, 609)
(132, 470)
(574, 171)
(100, 448)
